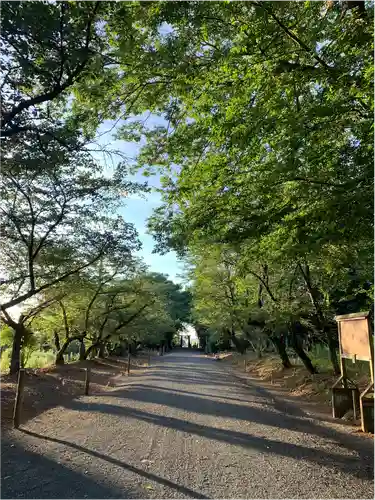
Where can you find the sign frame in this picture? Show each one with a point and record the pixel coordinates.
(355, 343)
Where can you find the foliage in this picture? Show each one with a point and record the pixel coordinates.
(130, 307)
(266, 151)
(68, 66)
(60, 222)
(34, 359)
(57, 218)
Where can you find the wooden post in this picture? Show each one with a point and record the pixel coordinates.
(342, 360)
(87, 381)
(18, 400)
(244, 365)
(128, 367)
(370, 336)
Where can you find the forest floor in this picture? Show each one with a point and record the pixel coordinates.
(296, 384)
(48, 387)
(185, 427)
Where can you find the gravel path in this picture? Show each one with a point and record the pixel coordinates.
(185, 429)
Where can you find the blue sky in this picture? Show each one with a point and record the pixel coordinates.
(138, 209)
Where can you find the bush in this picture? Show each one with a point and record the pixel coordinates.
(36, 359)
(70, 357)
(5, 361)
(40, 359)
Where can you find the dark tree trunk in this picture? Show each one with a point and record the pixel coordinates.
(297, 347)
(238, 345)
(60, 354)
(332, 347)
(279, 343)
(15, 360)
(82, 351)
(101, 353)
(314, 297)
(92, 350)
(181, 341)
(57, 341)
(59, 360)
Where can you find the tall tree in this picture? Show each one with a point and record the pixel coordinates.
(268, 118)
(58, 219)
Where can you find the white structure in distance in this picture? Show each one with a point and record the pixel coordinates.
(188, 331)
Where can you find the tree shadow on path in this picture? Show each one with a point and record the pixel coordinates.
(123, 465)
(250, 412)
(180, 391)
(360, 467)
(25, 474)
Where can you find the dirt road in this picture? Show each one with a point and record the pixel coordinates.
(184, 429)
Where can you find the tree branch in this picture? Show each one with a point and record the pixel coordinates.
(133, 316)
(58, 88)
(65, 318)
(31, 293)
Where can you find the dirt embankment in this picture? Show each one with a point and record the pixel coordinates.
(46, 388)
(309, 391)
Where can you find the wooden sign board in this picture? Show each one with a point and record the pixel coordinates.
(355, 337)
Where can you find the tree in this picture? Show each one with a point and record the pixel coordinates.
(160, 309)
(268, 115)
(244, 317)
(57, 220)
(67, 67)
(177, 303)
(122, 308)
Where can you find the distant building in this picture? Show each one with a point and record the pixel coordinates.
(188, 336)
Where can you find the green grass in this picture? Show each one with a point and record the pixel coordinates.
(40, 359)
(4, 362)
(35, 359)
(319, 355)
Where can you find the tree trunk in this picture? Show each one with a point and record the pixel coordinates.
(279, 343)
(297, 347)
(320, 317)
(15, 360)
(57, 341)
(60, 354)
(90, 351)
(238, 345)
(332, 347)
(101, 353)
(82, 351)
(59, 360)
